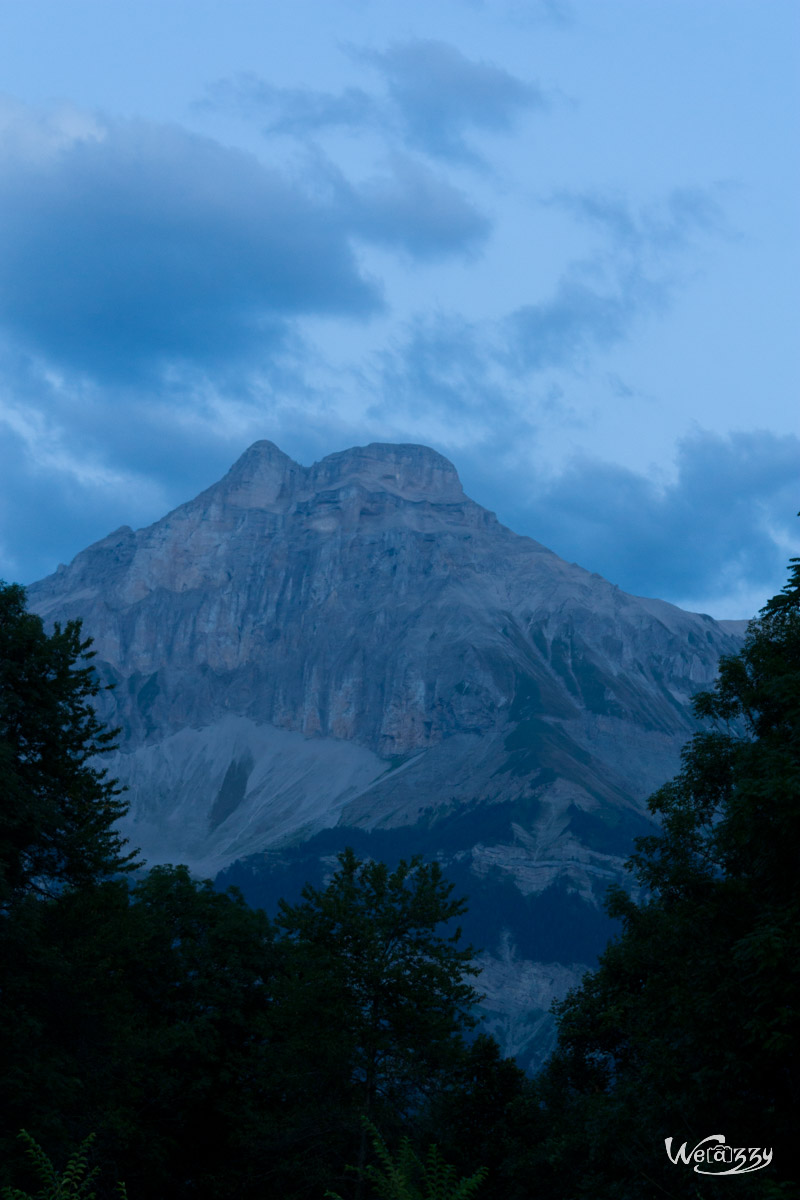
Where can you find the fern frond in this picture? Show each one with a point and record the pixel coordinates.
(72, 1184)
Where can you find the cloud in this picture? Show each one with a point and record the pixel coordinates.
(638, 264)
(435, 97)
(296, 112)
(440, 95)
(32, 135)
(138, 246)
(149, 244)
(62, 489)
(654, 230)
(438, 371)
(528, 13)
(159, 284)
(78, 457)
(642, 258)
(577, 319)
(160, 281)
(416, 210)
(713, 537)
(724, 526)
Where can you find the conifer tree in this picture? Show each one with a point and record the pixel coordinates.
(58, 809)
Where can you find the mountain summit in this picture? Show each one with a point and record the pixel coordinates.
(358, 649)
(265, 477)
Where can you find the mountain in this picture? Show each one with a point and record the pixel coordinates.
(357, 653)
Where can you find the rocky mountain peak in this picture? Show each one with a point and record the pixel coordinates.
(264, 477)
(410, 471)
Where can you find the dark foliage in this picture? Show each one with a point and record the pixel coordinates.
(217, 1053)
(689, 1027)
(58, 809)
(367, 961)
(212, 1052)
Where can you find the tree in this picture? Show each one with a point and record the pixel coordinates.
(58, 808)
(142, 1014)
(376, 985)
(480, 1117)
(689, 1026)
(400, 980)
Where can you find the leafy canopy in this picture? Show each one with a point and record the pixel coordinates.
(689, 1026)
(394, 984)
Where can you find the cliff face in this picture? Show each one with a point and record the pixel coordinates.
(359, 645)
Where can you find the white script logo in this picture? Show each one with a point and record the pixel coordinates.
(714, 1159)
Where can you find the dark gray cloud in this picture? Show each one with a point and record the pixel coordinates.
(723, 524)
(47, 516)
(441, 95)
(151, 283)
(79, 458)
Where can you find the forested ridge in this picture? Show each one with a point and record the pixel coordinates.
(216, 1051)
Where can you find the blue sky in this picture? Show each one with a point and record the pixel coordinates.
(558, 241)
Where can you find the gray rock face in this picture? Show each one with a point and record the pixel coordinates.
(357, 644)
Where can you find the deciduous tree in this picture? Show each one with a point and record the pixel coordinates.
(689, 1026)
(379, 985)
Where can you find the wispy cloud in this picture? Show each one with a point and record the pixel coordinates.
(443, 360)
(641, 259)
(297, 112)
(441, 95)
(432, 98)
(440, 373)
(413, 208)
(63, 483)
(663, 228)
